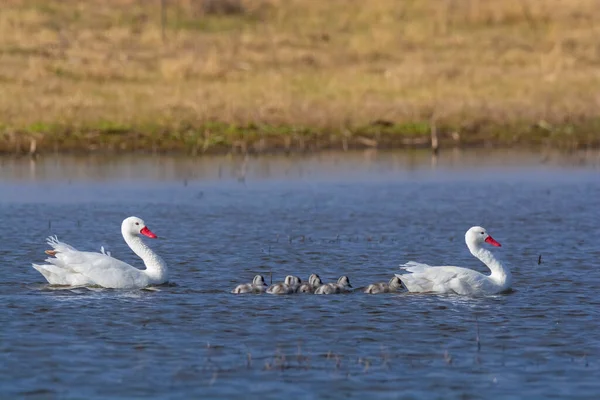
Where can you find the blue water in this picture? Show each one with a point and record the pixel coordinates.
(221, 221)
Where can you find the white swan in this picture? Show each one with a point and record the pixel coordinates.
(258, 285)
(82, 268)
(428, 279)
(393, 285)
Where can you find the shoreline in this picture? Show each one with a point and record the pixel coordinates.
(263, 139)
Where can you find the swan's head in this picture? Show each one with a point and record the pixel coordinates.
(479, 235)
(136, 226)
(259, 281)
(344, 281)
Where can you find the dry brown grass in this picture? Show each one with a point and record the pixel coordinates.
(335, 66)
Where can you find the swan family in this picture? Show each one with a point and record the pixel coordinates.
(68, 266)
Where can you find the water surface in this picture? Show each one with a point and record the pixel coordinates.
(221, 220)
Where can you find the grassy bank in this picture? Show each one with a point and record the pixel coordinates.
(208, 75)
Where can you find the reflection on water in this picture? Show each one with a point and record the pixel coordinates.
(334, 164)
(357, 214)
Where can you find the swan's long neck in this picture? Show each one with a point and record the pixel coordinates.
(156, 268)
(500, 274)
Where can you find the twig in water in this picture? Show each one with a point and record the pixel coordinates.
(434, 137)
(447, 357)
(338, 361)
(208, 360)
(477, 334)
(249, 360)
(280, 359)
(32, 148)
(366, 363)
(268, 251)
(213, 379)
(301, 358)
(540, 259)
(385, 357)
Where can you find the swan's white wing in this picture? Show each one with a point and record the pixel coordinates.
(101, 269)
(441, 279)
(74, 267)
(58, 276)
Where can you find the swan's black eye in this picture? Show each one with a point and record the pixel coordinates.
(137, 223)
(482, 233)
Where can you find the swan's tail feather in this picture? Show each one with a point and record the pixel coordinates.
(413, 266)
(52, 274)
(40, 268)
(107, 253)
(57, 273)
(52, 240)
(58, 246)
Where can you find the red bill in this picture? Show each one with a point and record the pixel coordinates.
(492, 241)
(147, 232)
